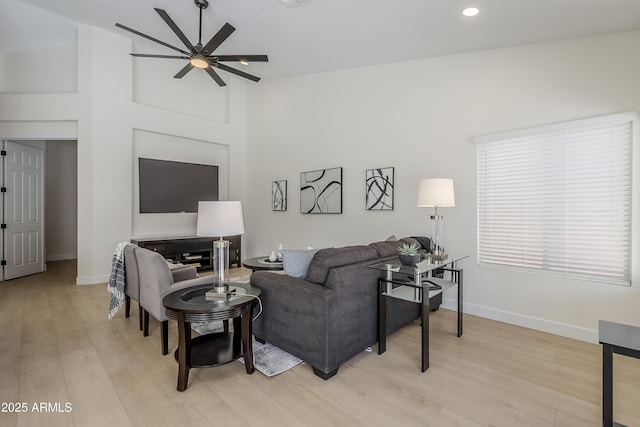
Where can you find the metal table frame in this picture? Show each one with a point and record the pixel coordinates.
(620, 339)
(413, 291)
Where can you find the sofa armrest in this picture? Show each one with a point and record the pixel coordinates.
(295, 314)
(298, 294)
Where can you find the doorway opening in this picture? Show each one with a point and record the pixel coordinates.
(58, 213)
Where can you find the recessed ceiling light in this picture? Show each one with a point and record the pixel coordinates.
(471, 11)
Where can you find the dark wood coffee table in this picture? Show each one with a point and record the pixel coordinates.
(190, 305)
(261, 263)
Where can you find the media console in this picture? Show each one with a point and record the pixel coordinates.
(191, 250)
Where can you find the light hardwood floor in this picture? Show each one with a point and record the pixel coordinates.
(57, 347)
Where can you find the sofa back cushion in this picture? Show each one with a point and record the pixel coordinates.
(386, 248)
(424, 242)
(326, 259)
(389, 248)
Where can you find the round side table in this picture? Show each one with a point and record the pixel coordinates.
(191, 305)
(262, 263)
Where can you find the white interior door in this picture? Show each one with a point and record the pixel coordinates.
(23, 210)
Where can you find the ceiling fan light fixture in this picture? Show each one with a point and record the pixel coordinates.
(199, 61)
(471, 11)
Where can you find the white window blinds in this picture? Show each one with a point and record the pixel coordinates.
(557, 199)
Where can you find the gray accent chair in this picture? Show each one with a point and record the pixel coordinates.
(156, 281)
(331, 315)
(132, 281)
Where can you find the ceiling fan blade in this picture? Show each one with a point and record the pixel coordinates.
(222, 34)
(215, 76)
(151, 38)
(165, 16)
(237, 72)
(148, 55)
(184, 71)
(248, 58)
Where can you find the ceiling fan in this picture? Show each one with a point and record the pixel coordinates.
(200, 56)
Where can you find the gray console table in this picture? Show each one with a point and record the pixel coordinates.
(620, 339)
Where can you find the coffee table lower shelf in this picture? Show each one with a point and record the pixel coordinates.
(215, 349)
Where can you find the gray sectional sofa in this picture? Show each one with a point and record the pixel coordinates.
(331, 315)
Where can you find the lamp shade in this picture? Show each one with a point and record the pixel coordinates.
(217, 219)
(436, 192)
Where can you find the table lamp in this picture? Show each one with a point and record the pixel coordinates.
(436, 193)
(219, 219)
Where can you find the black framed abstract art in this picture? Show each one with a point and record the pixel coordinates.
(379, 189)
(321, 191)
(279, 195)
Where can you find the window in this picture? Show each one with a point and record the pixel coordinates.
(557, 199)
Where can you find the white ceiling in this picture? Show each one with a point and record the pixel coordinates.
(327, 34)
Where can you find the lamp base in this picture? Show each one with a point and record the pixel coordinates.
(438, 257)
(229, 291)
(219, 293)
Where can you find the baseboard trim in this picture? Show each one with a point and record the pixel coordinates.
(556, 328)
(92, 280)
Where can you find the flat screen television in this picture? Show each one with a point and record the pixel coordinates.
(170, 187)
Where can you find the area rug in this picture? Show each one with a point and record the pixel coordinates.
(267, 358)
(271, 360)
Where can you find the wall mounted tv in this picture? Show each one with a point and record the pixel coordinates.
(169, 187)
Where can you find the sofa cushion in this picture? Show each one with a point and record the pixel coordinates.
(326, 259)
(295, 262)
(387, 248)
(410, 241)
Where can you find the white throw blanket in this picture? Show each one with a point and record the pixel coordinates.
(117, 280)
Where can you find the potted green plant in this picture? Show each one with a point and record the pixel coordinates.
(409, 254)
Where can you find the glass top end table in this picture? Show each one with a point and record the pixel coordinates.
(262, 263)
(409, 283)
(425, 265)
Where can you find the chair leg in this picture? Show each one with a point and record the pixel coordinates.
(145, 327)
(140, 316)
(127, 306)
(164, 338)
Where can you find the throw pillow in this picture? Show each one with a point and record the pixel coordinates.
(295, 262)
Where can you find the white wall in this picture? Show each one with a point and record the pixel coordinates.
(117, 127)
(105, 117)
(37, 50)
(24, 70)
(165, 147)
(420, 117)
